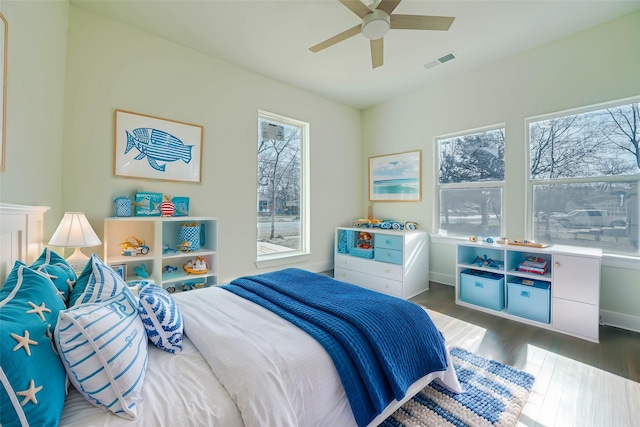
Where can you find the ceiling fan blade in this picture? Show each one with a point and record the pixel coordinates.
(417, 22)
(377, 51)
(336, 39)
(357, 7)
(388, 5)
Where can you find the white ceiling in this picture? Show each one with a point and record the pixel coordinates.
(272, 37)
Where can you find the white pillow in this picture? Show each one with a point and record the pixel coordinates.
(103, 347)
(161, 317)
(97, 282)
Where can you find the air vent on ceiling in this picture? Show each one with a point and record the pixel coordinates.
(444, 58)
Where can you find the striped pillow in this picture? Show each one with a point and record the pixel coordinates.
(97, 282)
(103, 347)
(161, 317)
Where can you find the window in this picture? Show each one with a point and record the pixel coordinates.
(282, 205)
(584, 170)
(470, 183)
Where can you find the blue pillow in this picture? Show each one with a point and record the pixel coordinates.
(97, 282)
(103, 347)
(33, 383)
(161, 317)
(58, 269)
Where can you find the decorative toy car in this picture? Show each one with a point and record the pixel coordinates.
(133, 246)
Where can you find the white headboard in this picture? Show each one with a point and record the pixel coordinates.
(21, 235)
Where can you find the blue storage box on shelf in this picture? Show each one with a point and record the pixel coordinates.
(531, 301)
(482, 288)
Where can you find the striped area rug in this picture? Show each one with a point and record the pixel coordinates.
(493, 395)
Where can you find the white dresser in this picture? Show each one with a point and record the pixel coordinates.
(399, 263)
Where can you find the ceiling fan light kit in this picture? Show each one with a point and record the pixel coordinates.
(376, 24)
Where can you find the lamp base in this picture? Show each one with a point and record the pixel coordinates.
(78, 261)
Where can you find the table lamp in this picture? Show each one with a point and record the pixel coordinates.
(75, 231)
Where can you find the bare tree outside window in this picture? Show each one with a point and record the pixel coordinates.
(470, 181)
(280, 186)
(584, 175)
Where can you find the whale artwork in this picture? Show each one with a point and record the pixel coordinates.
(157, 146)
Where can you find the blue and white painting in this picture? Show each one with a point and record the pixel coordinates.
(395, 177)
(150, 147)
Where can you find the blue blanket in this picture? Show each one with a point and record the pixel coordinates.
(379, 344)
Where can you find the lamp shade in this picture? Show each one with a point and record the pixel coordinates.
(74, 231)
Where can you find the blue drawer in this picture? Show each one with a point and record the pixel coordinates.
(529, 301)
(482, 288)
(388, 255)
(386, 241)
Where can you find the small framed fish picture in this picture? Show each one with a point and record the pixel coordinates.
(156, 148)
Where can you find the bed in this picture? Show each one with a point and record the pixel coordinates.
(241, 363)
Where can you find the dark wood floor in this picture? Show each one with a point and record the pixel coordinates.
(578, 383)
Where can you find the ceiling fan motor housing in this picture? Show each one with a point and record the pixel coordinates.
(376, 24)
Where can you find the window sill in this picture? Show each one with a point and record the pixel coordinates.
(278, 260)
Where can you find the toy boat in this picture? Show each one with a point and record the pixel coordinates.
(196, 266)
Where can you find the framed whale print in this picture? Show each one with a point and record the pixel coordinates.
(395, 177)
(155, 148)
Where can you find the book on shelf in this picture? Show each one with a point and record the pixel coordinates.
(537, 267)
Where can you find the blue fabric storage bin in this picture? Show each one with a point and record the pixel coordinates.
(482, 288)
(529, 301)
(362, 253)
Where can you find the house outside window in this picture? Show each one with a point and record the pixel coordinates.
(282, 187)
(584, 174)
(471, 182)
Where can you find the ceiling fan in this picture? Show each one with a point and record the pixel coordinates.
(377, 22)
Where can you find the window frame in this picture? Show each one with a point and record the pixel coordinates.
(282, 258)
(465, 185)
(531, 183)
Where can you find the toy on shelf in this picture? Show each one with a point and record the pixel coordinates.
(364, 240)
(167, 208)
(141, 271)
(385, 224)
(193, 284)
(184, 246)
(195, 266)
(484, 261)
(133, 246)
(523, 242)
(166, 249)
(169, 268)
(171, 289)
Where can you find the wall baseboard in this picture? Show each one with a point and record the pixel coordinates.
(445, 279)
(620, 320)
(609, 318)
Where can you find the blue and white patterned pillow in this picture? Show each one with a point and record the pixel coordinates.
(97, 282)
(59, 270)
(103, 347)
(33, 382)
(161, 317)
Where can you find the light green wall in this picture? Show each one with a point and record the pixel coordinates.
(115, 66)
(35, 105)
(597, 65)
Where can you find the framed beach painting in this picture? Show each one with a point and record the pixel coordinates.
(395, 177)
(152, 147)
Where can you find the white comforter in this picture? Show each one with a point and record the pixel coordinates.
(246, 366)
